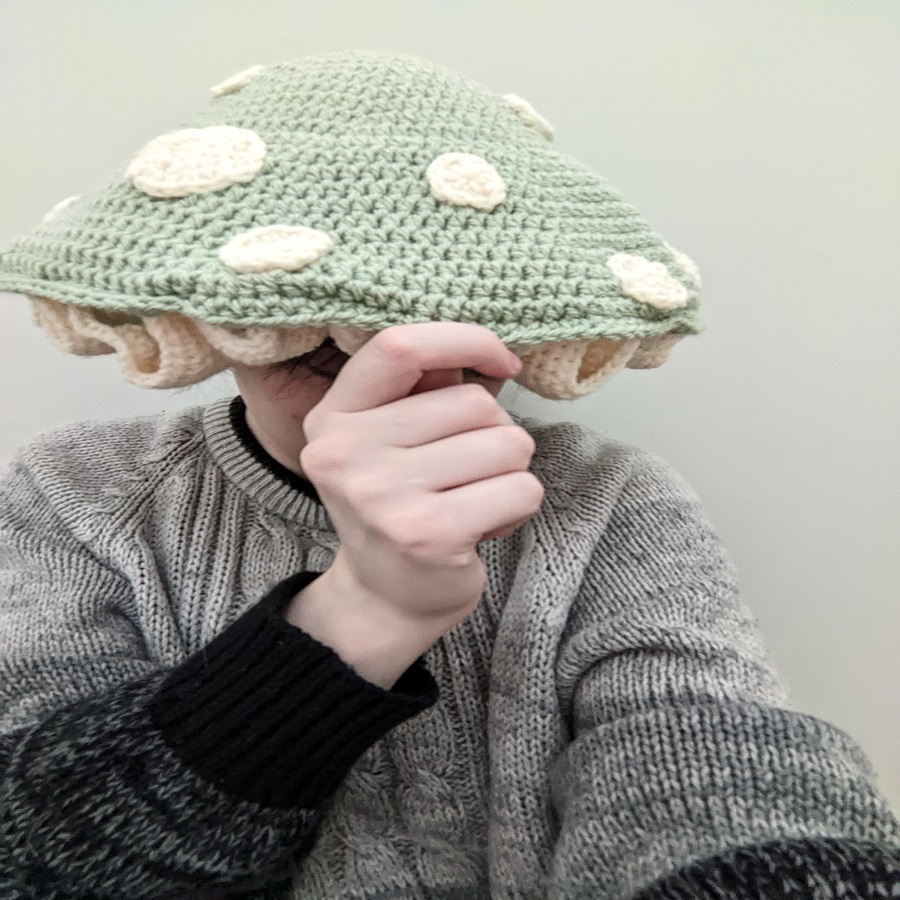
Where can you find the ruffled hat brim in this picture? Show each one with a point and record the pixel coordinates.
(172, 350)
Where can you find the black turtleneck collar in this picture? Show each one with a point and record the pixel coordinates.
(238, 415)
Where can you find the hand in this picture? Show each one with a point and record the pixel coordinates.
(415, 474)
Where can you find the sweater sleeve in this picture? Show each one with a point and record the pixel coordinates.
(687, 774)
(122, 778)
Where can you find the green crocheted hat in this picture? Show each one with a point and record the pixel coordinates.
(340, 194)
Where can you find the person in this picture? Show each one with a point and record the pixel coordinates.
(359, 631)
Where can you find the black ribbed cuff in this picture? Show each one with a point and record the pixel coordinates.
(797, 869)
(271, 715)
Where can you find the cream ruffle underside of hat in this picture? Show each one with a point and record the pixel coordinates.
(173, 350)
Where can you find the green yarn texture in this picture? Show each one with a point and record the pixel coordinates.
(348, 139)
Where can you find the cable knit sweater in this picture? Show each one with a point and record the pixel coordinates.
(604, 725)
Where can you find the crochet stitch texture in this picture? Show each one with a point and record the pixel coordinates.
(341, 194)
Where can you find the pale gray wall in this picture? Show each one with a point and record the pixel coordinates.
(759, 137)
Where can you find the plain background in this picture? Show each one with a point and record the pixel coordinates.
(761, 138)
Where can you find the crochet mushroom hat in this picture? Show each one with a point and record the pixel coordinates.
(340, 194)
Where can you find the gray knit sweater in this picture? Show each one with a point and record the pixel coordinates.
(604, 725)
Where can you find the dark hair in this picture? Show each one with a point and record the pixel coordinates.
(315, 362)
(311, 362)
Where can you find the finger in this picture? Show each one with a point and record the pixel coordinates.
(472, 510)
(432, 415)
(465, 458)
(393, 362)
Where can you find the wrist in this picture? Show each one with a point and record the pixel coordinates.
(375, 641)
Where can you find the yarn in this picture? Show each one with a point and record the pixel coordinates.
(338, 195)
(61, 207)
(465, 179)
(235, 82)
(530, 116)
(649, 282)
(268, 247)
(195, 160)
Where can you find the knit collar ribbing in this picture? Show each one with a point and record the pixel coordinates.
(246, 464)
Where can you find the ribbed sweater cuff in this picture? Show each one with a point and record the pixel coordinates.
(271, 715)
(798, 869)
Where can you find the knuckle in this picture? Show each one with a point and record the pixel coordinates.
(310, 425)
(392, 343)
(478, 398)
(526, 441)
(321, 457)
(411, 528)
(314, 421)
(536, 489)
(363, 489)
(519, 441)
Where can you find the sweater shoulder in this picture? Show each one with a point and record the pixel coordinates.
(96, 462)
(569, 452)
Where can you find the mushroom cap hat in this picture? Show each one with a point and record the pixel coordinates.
(340, 194)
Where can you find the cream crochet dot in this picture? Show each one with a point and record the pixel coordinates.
(235, 82)
(465, 179)
(529, 115)
(271, 247)
(687, 264)
(58, 209)
(197, 161)
(649, 282)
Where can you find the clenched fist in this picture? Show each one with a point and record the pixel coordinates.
(416, 468)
